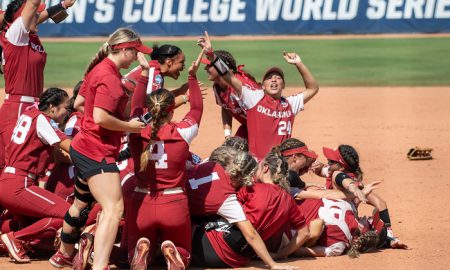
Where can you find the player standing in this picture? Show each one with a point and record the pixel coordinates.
(95, 149)
(270, 116)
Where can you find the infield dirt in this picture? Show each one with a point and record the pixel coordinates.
(382, 123)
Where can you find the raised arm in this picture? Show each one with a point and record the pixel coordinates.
(223, 70)
(139, 94)
(227, 121)
(195, 95)
(56, 12)
(312, 88)
(29, 13)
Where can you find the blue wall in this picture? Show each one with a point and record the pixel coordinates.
(245, 17)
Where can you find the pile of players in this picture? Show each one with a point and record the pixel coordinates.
(107, 177)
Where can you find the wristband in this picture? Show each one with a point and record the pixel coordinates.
(57, 13)
(220, 66)
(210, 53)
(227, 132)
(185, 99)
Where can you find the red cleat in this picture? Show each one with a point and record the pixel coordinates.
(15, 247)
(60, 260)
(141, 251)
(172, 256)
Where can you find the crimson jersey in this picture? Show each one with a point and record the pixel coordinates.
(269, 120)
(166, 166)
(155, 78)
(102, 89)
(268, 208)
(339, 218)
(229, 100)
(210, 192)
(24, 61)
(31, 142)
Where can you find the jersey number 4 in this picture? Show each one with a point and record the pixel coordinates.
(159, 155)
(21, 130)
(284, 128)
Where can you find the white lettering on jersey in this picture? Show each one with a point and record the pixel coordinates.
(197, 182)
(274, 114)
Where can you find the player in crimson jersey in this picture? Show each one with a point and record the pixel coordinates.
(270, 116)
(160, 153)
(344, 173)
(95, 149)
(226, 96)
(268, 207)
(23, 60)
(32, 137)
(213, 203)
(167, 60)
(340, 226)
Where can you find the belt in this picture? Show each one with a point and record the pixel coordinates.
(166, 191)
(13, 170)
(20, 98)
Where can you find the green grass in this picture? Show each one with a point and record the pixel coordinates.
(346, 62)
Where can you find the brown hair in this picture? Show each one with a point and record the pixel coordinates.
(365, 242)
(240, 165)
(351, 157)
(160, 104)
(278, 168)
(121, 35)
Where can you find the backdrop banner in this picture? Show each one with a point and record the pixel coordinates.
(251, 17)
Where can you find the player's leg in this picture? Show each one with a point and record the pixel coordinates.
(175, 231)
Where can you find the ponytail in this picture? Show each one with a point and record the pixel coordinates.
(278, 168)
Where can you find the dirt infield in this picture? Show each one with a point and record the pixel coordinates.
(382, 123)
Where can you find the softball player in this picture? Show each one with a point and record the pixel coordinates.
(343, 172)
(212, 191)
(23, 61)
(160, 153)
(27, 154)
(167, 60)
(270, 116)
(340, 226)
(226, 96)
(96, 147)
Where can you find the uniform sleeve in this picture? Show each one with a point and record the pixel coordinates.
(71, 129)
(296, 102)
(232, 210)
(46, 133)
(297, 219)
(139, 96)
(17, 34)
(188, 127)
(251, 97)
(83, 89)
(108, 94)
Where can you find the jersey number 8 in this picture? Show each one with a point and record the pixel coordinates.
(21, 130)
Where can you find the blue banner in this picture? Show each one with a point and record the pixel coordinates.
(255, 17)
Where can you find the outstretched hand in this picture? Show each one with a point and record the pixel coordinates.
(370, 187)
(205, 43)
(194, 67)
(291, 58)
